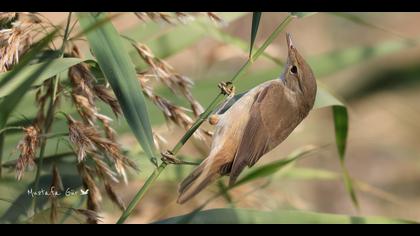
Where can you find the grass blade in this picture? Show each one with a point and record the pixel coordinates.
(341, 129)
(113, 59)
(341, 122)
(256, 16)
(271, 168)
(55, 67)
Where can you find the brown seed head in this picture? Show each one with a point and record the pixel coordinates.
(27, 148)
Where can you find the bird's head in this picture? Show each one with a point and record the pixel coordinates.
(298, 75)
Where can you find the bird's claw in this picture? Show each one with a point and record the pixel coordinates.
(169, 158)
(227, 88)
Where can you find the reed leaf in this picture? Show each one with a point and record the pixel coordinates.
(107, 46)
(52, 68)
(271, 168)
(256, 16)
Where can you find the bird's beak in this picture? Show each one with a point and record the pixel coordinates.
(289, 40)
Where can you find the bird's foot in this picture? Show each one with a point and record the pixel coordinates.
(227, 88)
(169, 158)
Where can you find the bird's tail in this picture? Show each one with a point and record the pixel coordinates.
(202, 176)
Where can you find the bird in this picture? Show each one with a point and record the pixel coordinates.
(255, 124)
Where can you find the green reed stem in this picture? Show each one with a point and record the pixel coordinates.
(50, 115)
(1, 153)
(152, 178)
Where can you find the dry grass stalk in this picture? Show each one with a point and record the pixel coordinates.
(103, 93)
(216, 19)
(86, 137)
(91, 216)
(85, 91)
(159, 141)
(27, 148)
(165, 73)
(115, 198)
(171, 112)
(167, 17)
(16, 39)
(94, 194)
(56, 185)
(44, 92)
(176, 17)
(103, 169)
(88, 140)
(81, 136)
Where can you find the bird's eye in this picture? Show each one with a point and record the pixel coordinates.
(294, 70)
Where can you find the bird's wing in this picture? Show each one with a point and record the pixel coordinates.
(271, 111)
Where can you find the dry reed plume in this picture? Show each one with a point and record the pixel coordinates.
(99, 158)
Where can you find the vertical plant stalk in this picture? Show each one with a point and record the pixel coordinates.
(341, 129)
(50, 115)
(152, 178)
(1, 153)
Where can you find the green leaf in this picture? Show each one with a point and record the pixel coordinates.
(113, 59)
(256, 16)
(324, 98)
(9, 102)
(247, 216)
(303, 173)
(271, 168)
(302, 14)
(348, 184)
(52, 67)
(96, 25)
(341, 122)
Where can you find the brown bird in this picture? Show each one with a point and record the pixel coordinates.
(255, 124)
